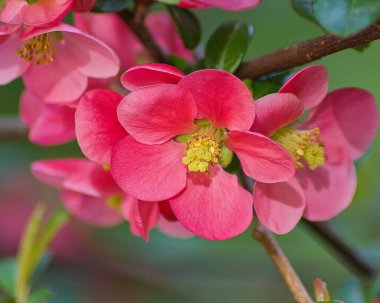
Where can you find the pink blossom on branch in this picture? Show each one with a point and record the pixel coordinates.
(55, 62)
(231, 5)
(181, 135)
(34, 13)
(338, 130)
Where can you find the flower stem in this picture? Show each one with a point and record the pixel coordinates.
(283, 265)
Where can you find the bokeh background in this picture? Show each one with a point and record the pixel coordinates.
(110, 265)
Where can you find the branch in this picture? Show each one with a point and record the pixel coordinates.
(12, 128)
(356, 262)
(304, 52)
(135, 22)
(282, 263)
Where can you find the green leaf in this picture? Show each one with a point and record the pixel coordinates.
(346, 17)
(109, 6)
(171, 2)
(40, 296)
(304, 8)
(8, 270)
(187, 24)
(228, 45)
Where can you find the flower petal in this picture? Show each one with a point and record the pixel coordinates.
(279, 206)
(173, 229)
(11, 65)
(149, 172)
(275, 111)
(55, 171)
(142, 216)
(150, 74)
(328, 190)
(221, 98)
(261, 158)
(153, 115)
(58, 82)
(309, 85)
(213, 206)
(91, 210)
(96, 124)
(347, 118)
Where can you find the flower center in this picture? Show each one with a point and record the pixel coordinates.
(39, 49)
(114, 202)
(305, 146)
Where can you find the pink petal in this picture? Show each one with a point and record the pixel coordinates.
(233, 5)
(58, 82)
(49, 124)
(173, 229)
(309, 85)
(10, 12)
(43, 13)
(213, 206)
(163, 29)
(261, 158)
(97, 127)
(279, 206)
(347, 118)
(221, 98)
(150, 74)
(89, 55)
(149, 172)
(111, 29)
(91, 210)
(275, 111)
(153, 115)
(95, 182)
(55, 171)
(328, 190)
(11, 65)
(166, 211)
(142, 216)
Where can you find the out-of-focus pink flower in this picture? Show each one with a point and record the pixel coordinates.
(231, 5)
(338, 130)
(55, 62)
(82, 6)
(89, 192)
(111, 29)
(34, 13)
(181, 135)
(49, 124)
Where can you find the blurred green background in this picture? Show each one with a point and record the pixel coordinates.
(117, 267)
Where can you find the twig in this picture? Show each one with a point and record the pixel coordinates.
(304, 52)
(356, 262)
(289, 275)
(135, 21)
(12, 128)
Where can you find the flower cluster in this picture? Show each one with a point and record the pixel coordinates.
(162, 146)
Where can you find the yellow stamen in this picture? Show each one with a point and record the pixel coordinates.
(39, 49)
(114, 202)
(303, 146)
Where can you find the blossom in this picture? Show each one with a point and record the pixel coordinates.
(232, 5)
(34, 13)
(111, 29)
(338, 130)
(182, 132)
(55, 62)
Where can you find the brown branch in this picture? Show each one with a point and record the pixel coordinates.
(350, 257)
(135, 22)
(289, 275)
(12, 128)
(304, 52)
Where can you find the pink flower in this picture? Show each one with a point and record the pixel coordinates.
(55, 62)
(34, 13)
(89, 192)
(112, 30)
(182, 131)
(49, 124)
(231, 5)
(337, 131)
